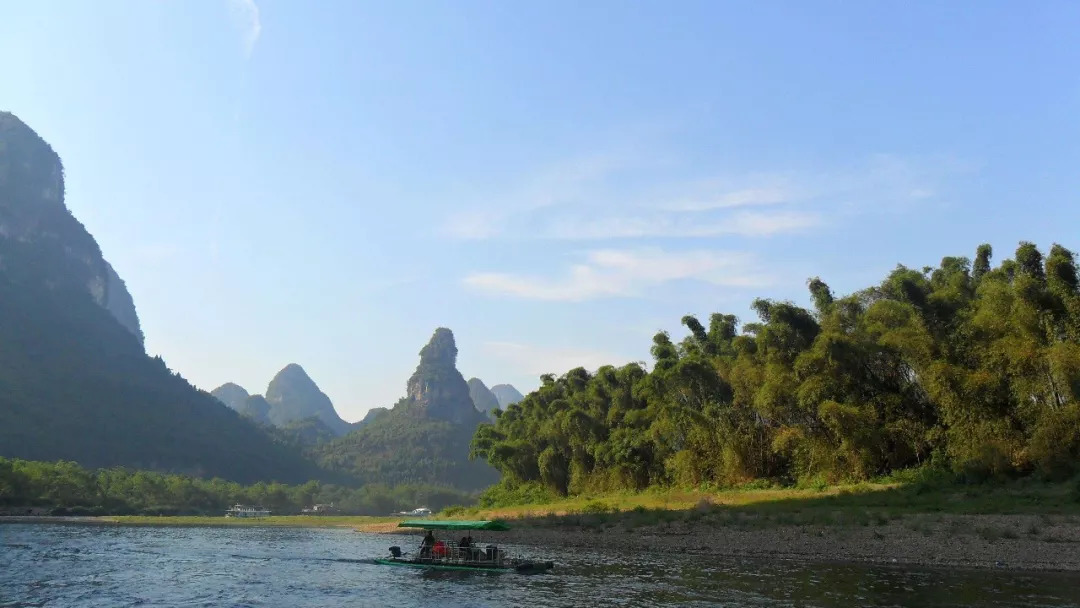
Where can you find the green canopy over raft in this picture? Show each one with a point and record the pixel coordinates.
(429, 524)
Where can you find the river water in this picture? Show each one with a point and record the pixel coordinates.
(93, 565)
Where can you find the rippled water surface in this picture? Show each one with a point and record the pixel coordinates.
(74, 565)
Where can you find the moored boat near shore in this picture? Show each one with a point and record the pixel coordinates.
(247, 511)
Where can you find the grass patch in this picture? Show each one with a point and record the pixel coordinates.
(877, 503)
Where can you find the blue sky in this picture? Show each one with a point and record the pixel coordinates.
(327, 182)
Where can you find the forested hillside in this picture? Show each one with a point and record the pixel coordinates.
(964, 366)
(75, 383)
(35, 219)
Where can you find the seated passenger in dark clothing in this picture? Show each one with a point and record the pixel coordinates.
(426, 544)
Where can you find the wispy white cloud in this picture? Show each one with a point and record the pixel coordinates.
(746, 197)
(534, 360)
(625, 272)
(245, 16)
(609, 197)
(750, 224)
(570, 183)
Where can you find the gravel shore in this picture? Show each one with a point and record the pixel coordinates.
(1015, 542)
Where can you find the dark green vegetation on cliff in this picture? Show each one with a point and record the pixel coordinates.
(75, 383)
(963, 367)
(425, 437)
(37, 228)
(67, 488)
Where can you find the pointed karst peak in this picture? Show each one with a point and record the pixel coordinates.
(293, 395)
(440, 350)
(293, 370)
(295, 377)
(437, 386)
(290, 380)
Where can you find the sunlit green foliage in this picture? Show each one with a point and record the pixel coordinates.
(967, 366)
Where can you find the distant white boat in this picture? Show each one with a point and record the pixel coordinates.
(421, 511)
(247, 511)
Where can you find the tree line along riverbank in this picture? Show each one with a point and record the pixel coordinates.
(65, 488)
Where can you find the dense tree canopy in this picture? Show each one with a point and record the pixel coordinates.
(964, 365)
(65, 486)
(406, 446)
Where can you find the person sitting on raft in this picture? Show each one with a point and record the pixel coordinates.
(467, 548)
(426, 544)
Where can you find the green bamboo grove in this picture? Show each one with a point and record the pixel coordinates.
(963, 366)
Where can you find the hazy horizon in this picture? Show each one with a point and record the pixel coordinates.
(326, 184)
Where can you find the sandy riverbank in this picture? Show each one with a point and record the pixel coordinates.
(1016, 542)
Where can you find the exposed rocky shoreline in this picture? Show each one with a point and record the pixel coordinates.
(1014, 542)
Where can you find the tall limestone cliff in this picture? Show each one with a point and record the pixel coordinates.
(35, 220)
(437, 387)
(482, 398)
(75, 382)
(293, 395)
(506, 394)
(425, 437)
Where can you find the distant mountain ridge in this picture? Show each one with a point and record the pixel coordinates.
(482, 398)
(238, 399)
(292, 396)
(506, 394)
(76, 382)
